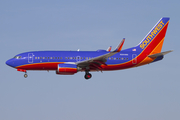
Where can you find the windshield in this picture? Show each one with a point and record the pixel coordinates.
(17, 57)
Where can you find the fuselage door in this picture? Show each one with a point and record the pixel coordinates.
(134, 59)
(30, 57)
(78, 58)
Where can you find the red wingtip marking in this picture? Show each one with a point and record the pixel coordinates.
(118, 49)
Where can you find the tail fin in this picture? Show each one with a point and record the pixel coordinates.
(149, 49)
(153, 41)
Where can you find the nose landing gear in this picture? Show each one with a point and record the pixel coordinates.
(22, 70)
(25, 75)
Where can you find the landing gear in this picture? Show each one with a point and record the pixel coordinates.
(25, 75)
(23, 70)
(87, 75)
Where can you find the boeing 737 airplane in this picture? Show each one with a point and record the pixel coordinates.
(71, 62)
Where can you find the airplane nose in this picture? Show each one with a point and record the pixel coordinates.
(7, 62)
(10, 62)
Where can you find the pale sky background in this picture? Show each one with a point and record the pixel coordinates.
(150, 92)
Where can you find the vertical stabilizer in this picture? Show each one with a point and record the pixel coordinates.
(153, 41)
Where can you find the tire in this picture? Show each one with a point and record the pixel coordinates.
(25, 75)
(87, 76)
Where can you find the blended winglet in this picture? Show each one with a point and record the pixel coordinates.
(109, 49)
(119, 47)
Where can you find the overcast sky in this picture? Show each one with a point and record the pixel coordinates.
(150, 92)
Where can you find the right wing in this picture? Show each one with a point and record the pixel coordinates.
(109, 49)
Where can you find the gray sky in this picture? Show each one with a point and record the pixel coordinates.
(150, 92)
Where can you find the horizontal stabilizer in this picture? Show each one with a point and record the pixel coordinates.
(159, 54)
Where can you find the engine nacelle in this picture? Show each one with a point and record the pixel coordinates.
(67, 69)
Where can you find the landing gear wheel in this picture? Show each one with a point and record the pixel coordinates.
(25, 75)
(87, 76)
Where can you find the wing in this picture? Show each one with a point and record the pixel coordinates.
(99, 60)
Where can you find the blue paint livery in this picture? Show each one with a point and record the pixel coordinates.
(71, 62)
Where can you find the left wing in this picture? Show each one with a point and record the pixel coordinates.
(97, 61)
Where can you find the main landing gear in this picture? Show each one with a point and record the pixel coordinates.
(87, 75)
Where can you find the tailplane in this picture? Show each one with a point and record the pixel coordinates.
(159, 54)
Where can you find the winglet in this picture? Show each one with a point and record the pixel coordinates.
(109, 49)
(119, 47)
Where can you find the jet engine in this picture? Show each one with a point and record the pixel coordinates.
(67, 69)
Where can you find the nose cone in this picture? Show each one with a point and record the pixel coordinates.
(10, 62)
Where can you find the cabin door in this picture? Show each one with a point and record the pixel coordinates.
(30, 57)
(134, 59)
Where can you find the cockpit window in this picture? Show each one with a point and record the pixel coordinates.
(17, 57)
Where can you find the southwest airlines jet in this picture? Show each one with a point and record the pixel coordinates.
(71, 62)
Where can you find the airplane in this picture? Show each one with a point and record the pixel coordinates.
(71, 62)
